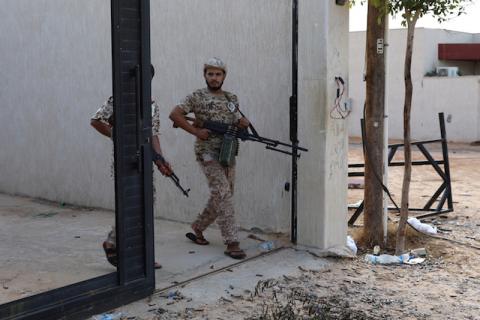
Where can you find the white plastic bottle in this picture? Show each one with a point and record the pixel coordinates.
(383, 259)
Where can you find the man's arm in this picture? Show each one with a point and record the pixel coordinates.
(102, 127)
(163, 167)
(178, 117)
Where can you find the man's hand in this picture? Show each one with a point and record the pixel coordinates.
(202, 134)
(164, 168)
(243, 123)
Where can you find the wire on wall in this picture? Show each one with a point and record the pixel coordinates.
(338, 111)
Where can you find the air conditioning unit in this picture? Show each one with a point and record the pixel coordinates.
(447, 71)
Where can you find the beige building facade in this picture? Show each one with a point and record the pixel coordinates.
(458, 97)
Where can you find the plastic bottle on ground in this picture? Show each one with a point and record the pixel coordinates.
(108, 316)
(386, 259)
(266, 245)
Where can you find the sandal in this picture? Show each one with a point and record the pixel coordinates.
(236, 254)
(198, 240)
(157, 265)
(110, 253)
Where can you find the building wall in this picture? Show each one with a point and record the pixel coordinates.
(56, 70)
(254, 40)
(428, 45)
(462, 115)
(322, 187)
(425, 59)
(58, 57)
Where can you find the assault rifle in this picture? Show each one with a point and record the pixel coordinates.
(243, 134)
(173, 176)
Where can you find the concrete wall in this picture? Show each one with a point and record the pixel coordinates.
(425, 59)
(56, 69)
(427, 44)
(462, 115)
(254, 40)
(323, 55)
(58, 57)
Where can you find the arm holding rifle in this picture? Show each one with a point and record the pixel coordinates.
(178, 117)
(243, 123)
(163, 166)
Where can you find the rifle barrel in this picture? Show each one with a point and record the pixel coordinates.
(245, 135)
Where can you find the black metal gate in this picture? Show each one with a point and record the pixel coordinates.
(135, 276)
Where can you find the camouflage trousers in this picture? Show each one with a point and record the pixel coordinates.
(112, 235)
(220, 204)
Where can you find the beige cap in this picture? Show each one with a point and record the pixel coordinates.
(215, 63)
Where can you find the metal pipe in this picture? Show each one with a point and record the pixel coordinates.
(294, 120)
(386, 157)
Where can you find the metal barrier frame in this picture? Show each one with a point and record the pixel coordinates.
(445, 189)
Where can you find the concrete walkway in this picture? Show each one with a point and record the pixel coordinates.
(227, 286)
(46, 245)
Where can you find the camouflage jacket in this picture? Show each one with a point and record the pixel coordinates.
(206, 106)
(105, 115)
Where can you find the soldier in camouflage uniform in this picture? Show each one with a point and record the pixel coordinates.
(102, 121)
(214, 104)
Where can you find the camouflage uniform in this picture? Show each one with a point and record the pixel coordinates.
(207, 106)
(105, 115)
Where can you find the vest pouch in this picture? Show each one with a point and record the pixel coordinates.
(229, 149)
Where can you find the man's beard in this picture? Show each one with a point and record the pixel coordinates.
(217, 88)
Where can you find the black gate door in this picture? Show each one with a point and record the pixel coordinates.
(135, 278)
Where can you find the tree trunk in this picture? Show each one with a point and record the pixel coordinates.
(400, 243)
(374, 122)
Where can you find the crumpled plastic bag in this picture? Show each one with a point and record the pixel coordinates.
(422, 227)
(351, 245)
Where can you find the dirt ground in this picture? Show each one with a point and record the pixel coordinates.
(445, 286)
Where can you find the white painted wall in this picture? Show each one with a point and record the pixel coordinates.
(57, 56)
(323, 55)
(427, 44)
(425, 59)
(254, 40)
(463, 114)
(56, 69)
